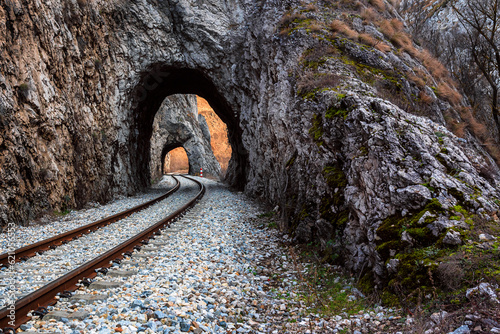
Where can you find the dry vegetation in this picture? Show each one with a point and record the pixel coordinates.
(449, 93)
(311, 82)
(343, 28)
(375, 12)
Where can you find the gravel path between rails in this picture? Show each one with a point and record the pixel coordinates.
(214, 271)
(25, 235)
(39, 270)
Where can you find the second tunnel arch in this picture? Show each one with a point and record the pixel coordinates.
(160, 82)
(179, 122)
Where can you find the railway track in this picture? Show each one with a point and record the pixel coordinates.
(28, 251)
(46, 295)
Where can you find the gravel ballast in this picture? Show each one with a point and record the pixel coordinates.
(204, 274)
(41, 269)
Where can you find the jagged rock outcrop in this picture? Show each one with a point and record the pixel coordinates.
(309, 114)
(178, 124)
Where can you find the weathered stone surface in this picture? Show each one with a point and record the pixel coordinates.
(178, 124)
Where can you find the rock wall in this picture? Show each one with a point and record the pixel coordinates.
(178, 124)
(316, 113)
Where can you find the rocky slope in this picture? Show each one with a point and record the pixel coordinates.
(438, 26)
(178, 124)
(315, 95)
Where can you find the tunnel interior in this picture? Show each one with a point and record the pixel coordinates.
(160, 82)
(167, 149)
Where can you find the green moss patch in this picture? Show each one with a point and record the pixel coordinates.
(427, 266)
(317, 131)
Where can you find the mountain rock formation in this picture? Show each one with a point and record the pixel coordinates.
(316, 96)
(218, 134)
(178, 124)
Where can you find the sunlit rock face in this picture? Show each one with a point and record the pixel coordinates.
(178, 124)
(81, 82)
(218, 134)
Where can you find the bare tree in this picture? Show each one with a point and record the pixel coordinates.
(481, 21)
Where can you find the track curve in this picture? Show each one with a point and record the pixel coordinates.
(46, 295)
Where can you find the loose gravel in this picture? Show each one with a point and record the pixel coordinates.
(44, 229)
(214, 271)
(39, 270)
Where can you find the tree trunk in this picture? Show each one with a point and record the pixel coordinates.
(494, 110)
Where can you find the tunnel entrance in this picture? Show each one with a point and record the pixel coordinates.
(162, 82)
(176, 161)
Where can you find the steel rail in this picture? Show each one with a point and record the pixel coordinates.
(31, 250)
(46, 295)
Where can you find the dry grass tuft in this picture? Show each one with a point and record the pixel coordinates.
(425, 98)
(316, 54)
(311, 7)
(383, 47)
(369, 15)
(358, 5)
(387, 29)
(311, 82)
(402, 40)
(493, 149)
(315, 26)
(422, 74)
(287, 19)
(434, 66)
(379, 4)
(285, 31)
(458, 128)
(417, 80)
(368, 39)
(341, 27)
(397, 24)
(479, 129)
(390, 27)
(450, 94)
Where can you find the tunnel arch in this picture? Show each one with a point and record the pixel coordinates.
(170, 147)
(161, 81)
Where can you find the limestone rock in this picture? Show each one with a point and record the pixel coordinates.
(452, 238)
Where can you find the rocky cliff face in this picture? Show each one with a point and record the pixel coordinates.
(315, 99)
(218, 134)
(178, 124)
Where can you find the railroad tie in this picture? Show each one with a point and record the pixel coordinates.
(88, 298)
(103, 285)
(122, 273)
(59, 315)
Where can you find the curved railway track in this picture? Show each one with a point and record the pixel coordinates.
(46, 295)
(57, 240)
